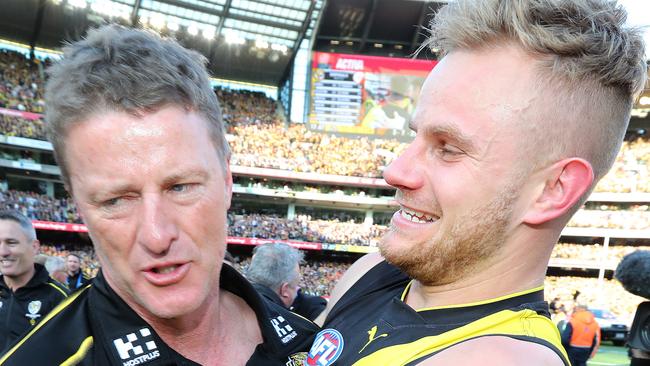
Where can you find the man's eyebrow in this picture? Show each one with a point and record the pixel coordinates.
(451, 133)
(183, 175)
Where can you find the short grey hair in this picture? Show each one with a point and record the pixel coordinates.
(22, 220)
(591, 68)
(55, 264)
(274, 264)
(127, 70)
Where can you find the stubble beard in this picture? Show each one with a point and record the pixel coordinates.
(455, 252)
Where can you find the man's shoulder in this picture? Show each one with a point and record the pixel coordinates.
(496, 350)
(57, 337)
(57, 288)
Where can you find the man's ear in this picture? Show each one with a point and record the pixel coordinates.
(284, 290)
(228, 184)
(36, 246)
(565, 183)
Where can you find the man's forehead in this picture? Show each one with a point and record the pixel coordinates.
(10, 229)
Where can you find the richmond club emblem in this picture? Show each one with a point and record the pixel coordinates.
(326, 348)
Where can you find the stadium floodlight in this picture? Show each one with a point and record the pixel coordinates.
(78, 3)
(157, 20)
(233, 37)
(644, 100)
(279, 47)
(173, 26)
(192, 29)
(209, 32)
(262, 44)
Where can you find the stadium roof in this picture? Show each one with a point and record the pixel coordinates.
(245, 40)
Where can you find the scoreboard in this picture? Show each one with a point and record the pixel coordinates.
(366, 95)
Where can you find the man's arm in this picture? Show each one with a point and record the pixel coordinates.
(351, 276)
(496, 351)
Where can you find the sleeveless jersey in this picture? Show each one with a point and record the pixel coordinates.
(372, 325)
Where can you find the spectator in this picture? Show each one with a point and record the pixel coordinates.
(27, 293)
(76, 278)
(274, 271)
(581, 336)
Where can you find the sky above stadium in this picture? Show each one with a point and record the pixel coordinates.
(639, 15)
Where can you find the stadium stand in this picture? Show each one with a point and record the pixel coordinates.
(260, 137)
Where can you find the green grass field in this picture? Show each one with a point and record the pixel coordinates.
(609, 355)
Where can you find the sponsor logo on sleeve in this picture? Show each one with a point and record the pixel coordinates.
(137, 348)
(326, 349)
(297, 359)
(283, 329)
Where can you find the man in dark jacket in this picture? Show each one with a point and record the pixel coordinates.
(27, 293)
(76, 276)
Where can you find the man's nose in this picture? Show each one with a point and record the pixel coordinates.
(403, 173)
(157, 229)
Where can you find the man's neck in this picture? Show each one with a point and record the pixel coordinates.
(207, 336)
(520, 266)
(16, 282)
(73, 274)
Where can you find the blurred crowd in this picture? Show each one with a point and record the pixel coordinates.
(609, 295)
(334, 230)
(89, 264)
(21, 85)
(303, 228)
(594, 252)
(39, 206)
(260, 138)
(244, 108)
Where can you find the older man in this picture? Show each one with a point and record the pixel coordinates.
(27, 293)
(521, 117)
(138, 134)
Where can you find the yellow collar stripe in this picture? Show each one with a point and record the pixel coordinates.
(78, 356)
(483, 302)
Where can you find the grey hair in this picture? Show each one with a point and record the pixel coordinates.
(22, 220)
(127, 70)
(55, 264)
(274, 264)
(591, 68)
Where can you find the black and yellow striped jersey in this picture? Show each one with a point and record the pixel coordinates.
(376, 326)
(94, 326)
(22, 309)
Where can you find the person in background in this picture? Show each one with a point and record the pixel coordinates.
(76, 278)
(581, 336)
(27, 293)
(274, 271)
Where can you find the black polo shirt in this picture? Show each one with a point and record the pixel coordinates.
(21, 310)
(96, 327)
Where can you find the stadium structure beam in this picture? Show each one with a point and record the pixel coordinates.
(416, 35)
(204, 9)
(296, 45)
(135, 13)
(366, 28)
(38, 24)
(278, 5)
(222, 19)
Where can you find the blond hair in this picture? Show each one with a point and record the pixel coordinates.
(591, 68)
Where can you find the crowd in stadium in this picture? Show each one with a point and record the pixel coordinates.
(304, 228)
(320, 277)
(260, 138)
(21, 85)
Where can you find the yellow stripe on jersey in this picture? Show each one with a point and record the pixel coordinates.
(58, 289)
(524, 323)
(505, 297)
(38, 326)
(80, 354)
